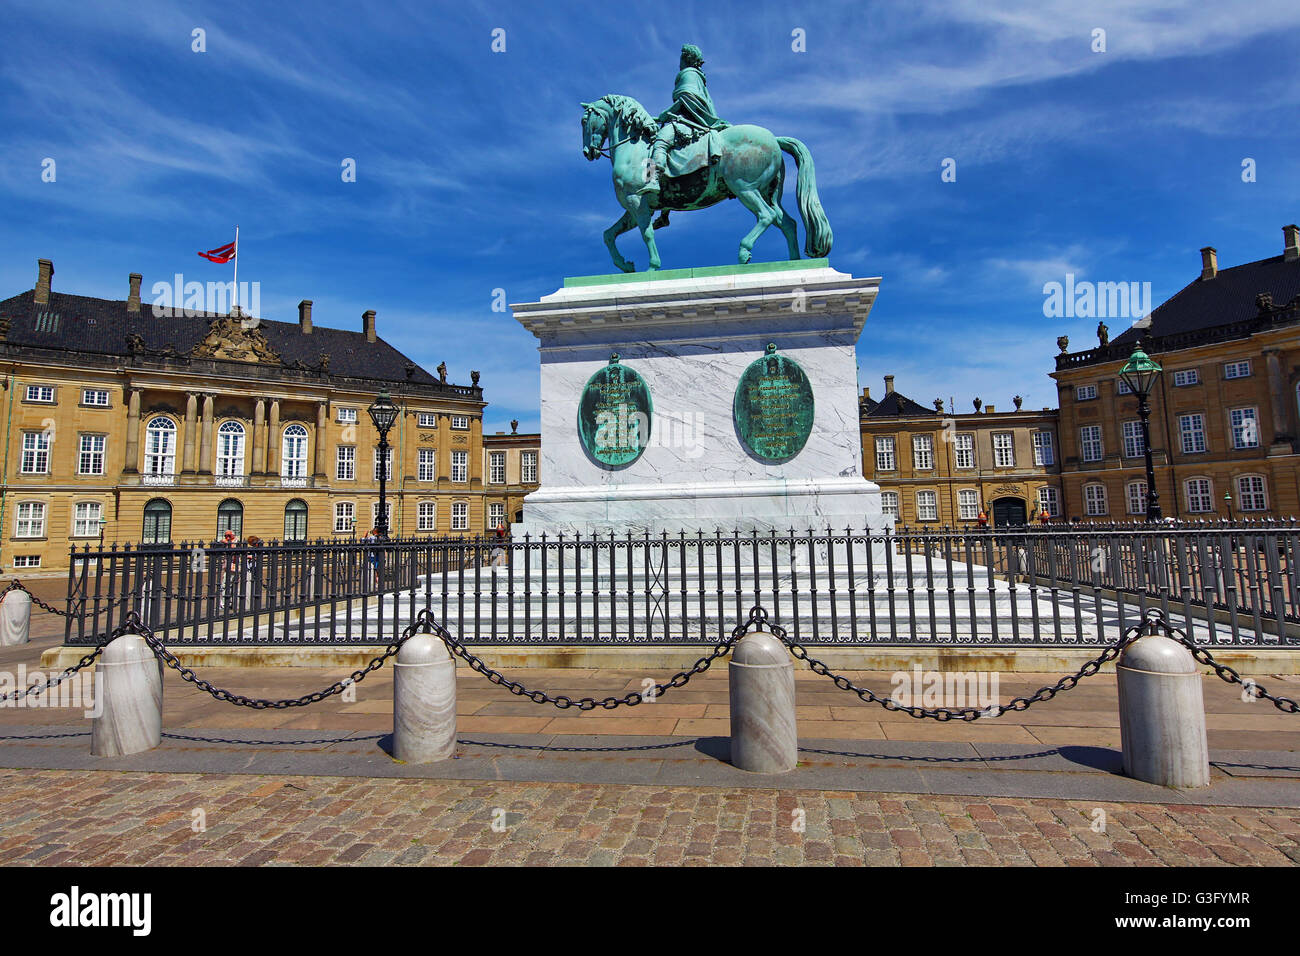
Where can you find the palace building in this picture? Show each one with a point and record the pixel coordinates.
(946, 468)
(1225, 413)
(127, 426)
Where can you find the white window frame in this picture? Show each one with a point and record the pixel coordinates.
(1199, 496)
(1085, 393)
(345, 517)
(1135, 497)
(345, 463)
(87, 392)
(85, 518)
(889, 504)
(1184, 377)
(1191, 433)
(160, 446)
(528, 467)
(923, 453)
(426, 419)
(929, 511)
(886, 458)
(91, 455)
(460, 423)
(230, 449)
(1044, 448)
(1132, 430)
(40, 394)
(426, 516)
(388, 465)
(968, 504)
(29, 519)
(1049, 501)
(963, 450)
(1255, 499)
(460, 466)
(294, 448)
(496, 468)
(496, 514)
(1095, 505)
(27, 561)
(388, 513)
(460, 516)
(1004, 450)
(1247, 427)
(1085, 443)
(1121, 387)
(345, 416)
(36, 453)
(1233, 370)
(426, 466)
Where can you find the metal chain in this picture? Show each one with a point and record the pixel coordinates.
(18, 585)
(1226, 673)
(53, 682)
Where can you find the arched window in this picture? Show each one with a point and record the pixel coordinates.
(230, 450)
(1094, 501)
(160, 447)
(1136, 494)
(157, 522)
(295, 520)
(1250, 493)
(293, 458)
(1200, 495)
(230, 517)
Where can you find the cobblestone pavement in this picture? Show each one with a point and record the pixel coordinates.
(108, 817)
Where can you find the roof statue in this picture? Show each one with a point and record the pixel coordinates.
(688, 158)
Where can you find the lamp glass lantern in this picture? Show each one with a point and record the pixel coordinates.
(383, 413)
(1140, 373)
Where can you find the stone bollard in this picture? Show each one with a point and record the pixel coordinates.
(131, 690)
(16, 618)
(424, 701)
(1162, 714)
(760, 676)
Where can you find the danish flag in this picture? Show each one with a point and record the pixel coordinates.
(221, 254)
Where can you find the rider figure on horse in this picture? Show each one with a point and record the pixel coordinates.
(691, 116)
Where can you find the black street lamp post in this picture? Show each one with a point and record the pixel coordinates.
(1140, 373)
(383, 413)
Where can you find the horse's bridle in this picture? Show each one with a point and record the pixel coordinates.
(606, 151)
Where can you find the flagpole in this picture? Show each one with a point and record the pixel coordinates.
(236, 296)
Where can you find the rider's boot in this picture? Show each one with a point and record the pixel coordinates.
(658, 159)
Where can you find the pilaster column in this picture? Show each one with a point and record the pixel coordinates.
(191, 426)
(319, 439)
(132, 431)
(259, 437)
(205, 437)
(273, 440)
(1277, 393)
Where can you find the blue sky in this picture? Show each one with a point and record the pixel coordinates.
(1115, 166)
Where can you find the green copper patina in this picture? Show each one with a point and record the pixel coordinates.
(773, 408)
(614, 415)
(689, 158)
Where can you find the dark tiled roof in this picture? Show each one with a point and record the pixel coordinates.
(1227, 298)
(866, 405)
(896, 404)
(79, 323)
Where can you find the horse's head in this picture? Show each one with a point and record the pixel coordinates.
(594, 130)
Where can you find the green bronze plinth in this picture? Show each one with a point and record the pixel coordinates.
(773, 408)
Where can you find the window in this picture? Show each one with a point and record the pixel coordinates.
(1090, 443)
(428, 465)
(160, 447)
(293, 456)
(347, 416)
(927, 506)
(90, 455)
(1200, 496)
(460, 466)
(95, 396)
(1245, 428)
(426, 420)
(295, 520)
(963, 447)
(968, 505)
(1004, 450)
(459, 516)
(1186, 376)
(1084, 392)
(1044, 452)
(1237, 370)
(460, 422)
(1094, 497)
(157, 522)
(346, 469)
(1250, 493)
(344, 517)
(85, 519)
(1133, 447)
(1191, 430)
(230, 517)
(497, 468)
(36, 453)
(528, 461)
(1049, 503)
(1135, 492)
(27, 560)
(885, 454)
(1121, 387)
(230, 450)
(388, 514)
(40, 393)
(30, 521)
(923, 452)
(426, 516)
(889, 504)
(496, 515)
(388, 465)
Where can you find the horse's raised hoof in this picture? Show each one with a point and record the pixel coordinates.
(744, 257)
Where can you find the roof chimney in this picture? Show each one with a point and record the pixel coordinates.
(889, 384)
(44, 273)
(368, 324)
(866, 392)
(1209, 262)
(304, 316)
(988, 409)
(133, 297)
(1291, 243)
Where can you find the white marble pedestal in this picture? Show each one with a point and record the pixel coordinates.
(691, 334)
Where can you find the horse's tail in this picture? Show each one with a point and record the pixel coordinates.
(817, 242)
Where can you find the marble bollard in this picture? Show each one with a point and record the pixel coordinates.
(15, 618)
(760, 676)
(1162, 714)
(424, 701)
(131, 689)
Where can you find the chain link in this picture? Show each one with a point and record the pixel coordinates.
(19, 586)
(53, 682)
(1226, 673)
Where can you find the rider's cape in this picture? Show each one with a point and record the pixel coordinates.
(693, 108)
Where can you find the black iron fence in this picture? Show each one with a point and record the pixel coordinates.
(1079, 585)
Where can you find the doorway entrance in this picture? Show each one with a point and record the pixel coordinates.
(1009, 512)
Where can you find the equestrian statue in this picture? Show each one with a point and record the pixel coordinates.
(689, 158)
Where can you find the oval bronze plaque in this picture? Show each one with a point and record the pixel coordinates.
(773, 409)
(614, 415)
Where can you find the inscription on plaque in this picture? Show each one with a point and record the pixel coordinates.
(773, 408)
(614, 415)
